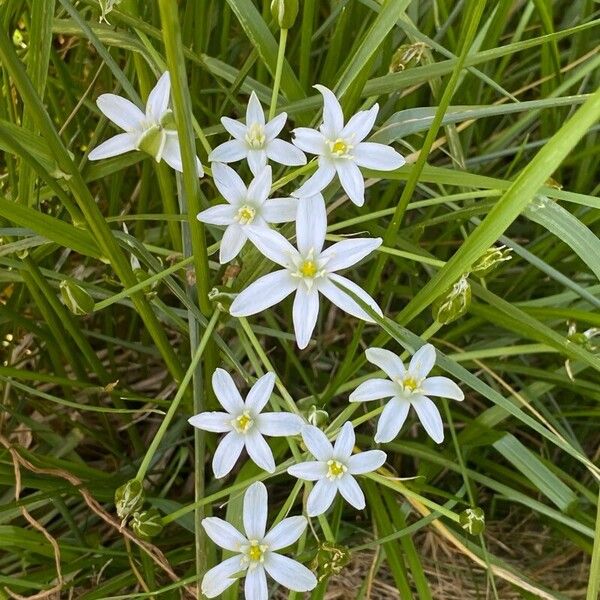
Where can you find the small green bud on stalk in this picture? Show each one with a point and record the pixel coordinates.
(76, 298)
(129, 497)
(453, 303)
(147, 524)
(490, 260)
(284, 12)
(472, 520)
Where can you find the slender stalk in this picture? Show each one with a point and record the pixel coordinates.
(143, 469)
(279, 69)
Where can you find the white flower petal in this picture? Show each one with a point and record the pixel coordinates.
(219, 578)
(285, 153)
(255, 586)
(171, 154)
(333, 117)
(223, 534)
(254, 111)
(311, 470)
(217, 422)
(121, 112)
(374, 389)
(285, 533)
(227, 453)
(260, 392)
(279, 424)
(259, 450)
(118, 144)
(387, 361)
(319, 180)
(346, 253)
(289, 573)
(391, 420)
(309, 140)
(232, 242)
(317, 443)
(255, 511)
(274, 126)
(221, 214)
(305, 313)
(352, 180)
(339, 297)
(257, 160)
(311, 225)
(358, 126)
(344, 443)
(227, 152)
(279, 210)
(226, 392)
(321, 497)
(235, 128)
(443, 387)
(430, 417)
(350, 490)
(422, 362)
(272, 244)
(377, 156)
(365, 462)
(158, 99)
(229, 184)
(260, 186)
(262, 294)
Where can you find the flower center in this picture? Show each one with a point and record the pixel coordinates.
(340, 148)
(409, 384)
(308, 268)
(255, 136)
(335, 469)
(245, 214)
(255, 553)
(242, 423)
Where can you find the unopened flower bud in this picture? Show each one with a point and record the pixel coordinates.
(472, 520)
(147, 524)
(407, 55)
(129, 497)
(284, 12)
(316, 416)
(76, 298)
(453, 303)
(490, 260)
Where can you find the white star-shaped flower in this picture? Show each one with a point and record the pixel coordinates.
(308, 271)
(341, 149)
(246, 209)
(152, 132)
(334, 468)
(408, 387)
(256, 553)
(256, 141)
(244, 423)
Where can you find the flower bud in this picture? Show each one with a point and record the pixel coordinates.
(316, 416)
(453, 303)
(330, 560)
(147, 524)
(284, 12)
(129, 497)
(407, 55)
(490, 260)
(472, 520)
(76, 298)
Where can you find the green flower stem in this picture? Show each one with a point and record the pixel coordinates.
(279, 69)
(180, 393)
(265, 360)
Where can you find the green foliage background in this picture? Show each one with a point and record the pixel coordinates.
(494, 103)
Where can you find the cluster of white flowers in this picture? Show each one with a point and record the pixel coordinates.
(308, 270)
